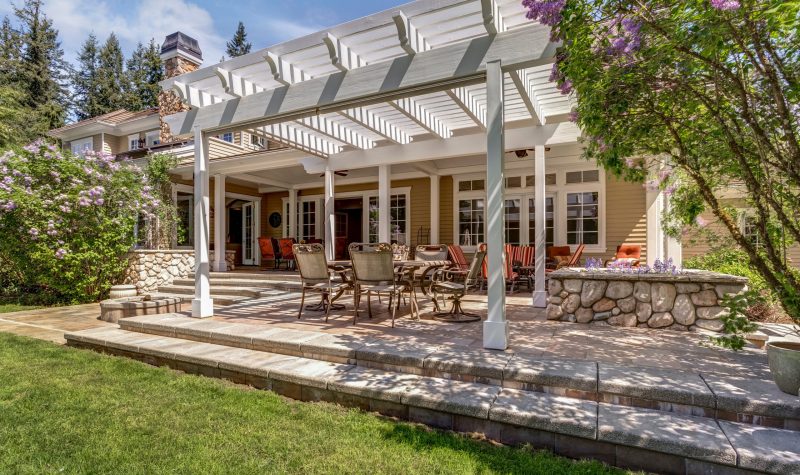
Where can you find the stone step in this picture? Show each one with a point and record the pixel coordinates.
(219, 299)
(268, 276)
(746, 400)
(628, 437)
(244, 283)
(251, 292)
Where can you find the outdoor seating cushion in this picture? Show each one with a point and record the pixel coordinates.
(628, 251)
(285, 245)
(457, 256)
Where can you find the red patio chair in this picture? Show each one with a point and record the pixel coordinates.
(457, 257)
(287, 252)
(627, 253)
(509, 274)
(522, 260)
(558, 256)
(269, 251)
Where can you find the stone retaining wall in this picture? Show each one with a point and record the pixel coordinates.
(150, 269)
(688, 301)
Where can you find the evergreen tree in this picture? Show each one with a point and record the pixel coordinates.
(110, 77)
(42, 69)
(144, 70)
(10, 43)
(239, 44)
(85, 80)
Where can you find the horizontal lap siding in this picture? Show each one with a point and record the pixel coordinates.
(272, 203)
(626, 215)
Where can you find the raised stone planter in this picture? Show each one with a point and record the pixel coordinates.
(690, 300)
(112, 310)
(150, 269)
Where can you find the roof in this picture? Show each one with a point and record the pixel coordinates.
(182, 42)
(107, 121)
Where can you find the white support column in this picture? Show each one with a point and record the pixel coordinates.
(384, 203)
(673, 249)
(655, 234)
(495, 328)
(435, 204)
(540, 240)
(219, 224)
(330, 216)
(292, 227)
(202, 305)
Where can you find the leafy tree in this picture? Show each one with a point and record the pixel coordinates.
(85, 80)
(239, 44)
(111, 77)
(144, 70)
(42, 70)
(708, 91)
(69, 238)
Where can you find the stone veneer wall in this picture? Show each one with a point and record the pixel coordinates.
(687, 301)
(150, 269)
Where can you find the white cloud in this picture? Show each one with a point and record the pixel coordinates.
(132, 23)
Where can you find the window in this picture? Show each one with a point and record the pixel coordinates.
(227, 136)
(133, 142)
(257, 141)
(583, 218)
(749, 227)
(549, 179)
(470, 222)
(513, 215)
(80, 146)
(398, 224)
(471, 185)
(308, 213)
(585, 176)
(152, 138)
(549, 220)
(514, 182)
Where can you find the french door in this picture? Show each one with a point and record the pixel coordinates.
(248, 234)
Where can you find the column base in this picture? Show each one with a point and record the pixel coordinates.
(220, 266)
(495, 335)
(540, 298)
(202, 308)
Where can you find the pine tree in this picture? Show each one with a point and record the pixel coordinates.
(144, 70)
(10, 43)
(239, 44)
(42, 69)
(85, 80)
(110, 77)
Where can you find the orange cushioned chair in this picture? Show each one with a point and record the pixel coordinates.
(627, 253)
(287, 252)
(269, 251)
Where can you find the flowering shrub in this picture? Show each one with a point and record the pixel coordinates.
(66, 222)
(659, 266)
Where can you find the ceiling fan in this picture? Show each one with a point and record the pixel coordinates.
(524, 152)
(340, 173)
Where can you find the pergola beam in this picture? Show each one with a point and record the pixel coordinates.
(299, 139)
(464, 100)
(520, 79)
(193, 96)
(439, 69)
(376, 124)
(414, 111)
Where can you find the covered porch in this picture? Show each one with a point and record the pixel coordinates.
(447, 109)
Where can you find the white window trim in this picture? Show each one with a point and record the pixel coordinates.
(558, 191)
(79, 146)
(149, 134)
(130, 139)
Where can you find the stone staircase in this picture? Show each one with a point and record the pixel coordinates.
(639, 418)
(228, 288)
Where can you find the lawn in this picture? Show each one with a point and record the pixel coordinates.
(64, 410)
(13, 307)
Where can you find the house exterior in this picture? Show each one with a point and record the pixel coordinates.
(435, 122)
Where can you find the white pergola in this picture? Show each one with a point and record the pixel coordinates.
(429, 80)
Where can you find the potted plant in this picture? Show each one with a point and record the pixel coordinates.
(784, 364)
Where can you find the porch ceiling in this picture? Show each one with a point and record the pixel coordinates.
(414, 73)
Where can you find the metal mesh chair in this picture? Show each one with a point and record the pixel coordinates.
(454, 285)
(316, 276)
(373, 273)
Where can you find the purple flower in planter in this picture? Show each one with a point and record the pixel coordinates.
(725, 4)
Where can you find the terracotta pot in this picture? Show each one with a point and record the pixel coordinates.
(784, 364)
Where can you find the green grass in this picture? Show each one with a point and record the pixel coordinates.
(13, 307)
(64, 410)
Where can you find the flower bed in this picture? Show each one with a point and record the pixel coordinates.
(677, 300)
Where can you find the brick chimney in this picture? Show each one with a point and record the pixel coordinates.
(181, 54)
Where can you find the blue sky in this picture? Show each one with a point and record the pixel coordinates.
(212, 22)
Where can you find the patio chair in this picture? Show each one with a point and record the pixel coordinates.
(457, 257)
(509, 274)
(573, 260)
(454, 285)
(287, 253)
(373, 273)
(629, 254)
(400, 252)
(558, 256)
(435, 253)
(522, 260)
(269, 250)
(315, 276)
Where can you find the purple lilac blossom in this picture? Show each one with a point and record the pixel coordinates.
(60, 253)
(548, 12)
(725, 4)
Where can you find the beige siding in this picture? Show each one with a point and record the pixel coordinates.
(97, 143)
(219, 148)
(626, 215)
(271, 203)
(115, 145)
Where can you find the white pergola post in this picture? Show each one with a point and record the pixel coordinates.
(384, 203)
(202, 305)
(655, 233)
(495, 328)
(292, 229)
(435, 203)
(330, 216)
(540, 239)
(219, 224)
(673, 249)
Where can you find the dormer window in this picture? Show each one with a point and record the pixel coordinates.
(133, 142)
(228, 137)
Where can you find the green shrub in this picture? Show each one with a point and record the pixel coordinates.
(66, 221)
